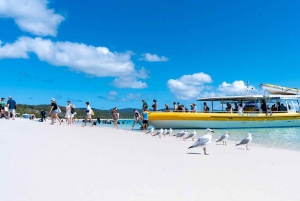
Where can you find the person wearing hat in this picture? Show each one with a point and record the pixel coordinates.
(155, 106)
(12, 106)
(54, 111)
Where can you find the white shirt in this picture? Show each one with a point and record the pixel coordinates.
(68, 110)
(89, 110)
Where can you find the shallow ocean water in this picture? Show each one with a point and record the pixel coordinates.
(287, 138)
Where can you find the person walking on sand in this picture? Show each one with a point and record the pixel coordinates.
(54, 111)
(2, 108)
(136, 117)
(11, 106)
(115, 117)
(68, 113)
(88, 114)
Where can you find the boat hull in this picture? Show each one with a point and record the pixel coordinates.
(215, 120)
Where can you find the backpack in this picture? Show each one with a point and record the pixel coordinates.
(72, 110)
(207, 108)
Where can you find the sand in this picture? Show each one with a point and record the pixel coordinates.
(40, 162)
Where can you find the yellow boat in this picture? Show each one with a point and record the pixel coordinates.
(250, 117)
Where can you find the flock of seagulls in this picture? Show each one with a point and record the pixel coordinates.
(202, 141)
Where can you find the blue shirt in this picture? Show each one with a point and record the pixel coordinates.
(12, 104)
(145, 116)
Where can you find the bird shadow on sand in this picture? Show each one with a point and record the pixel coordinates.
(193, 153)
(241, 148)
(220, 144)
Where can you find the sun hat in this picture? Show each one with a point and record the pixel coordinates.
(52, 99)
(9, 96)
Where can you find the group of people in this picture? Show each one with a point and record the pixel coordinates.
(11, 106)
(176, 107)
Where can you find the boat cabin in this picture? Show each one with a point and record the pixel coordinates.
(254, 104)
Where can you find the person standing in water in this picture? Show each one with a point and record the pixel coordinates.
(136, 117)
(115, 117)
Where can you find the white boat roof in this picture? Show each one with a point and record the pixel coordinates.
(250, 97)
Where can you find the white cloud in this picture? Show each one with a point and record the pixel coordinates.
(195, 79)
(112, 95)
(97, 61)
(132, 96)
(129, 82)
(188, 86)
(32, 16)
(153, 58)
(238, 87)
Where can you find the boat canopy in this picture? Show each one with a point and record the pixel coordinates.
(250, 98)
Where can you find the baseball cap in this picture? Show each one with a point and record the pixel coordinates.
(52, 99)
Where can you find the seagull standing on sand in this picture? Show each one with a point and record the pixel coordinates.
(204, 140)
(178, 133)
(150, 131)
(181, 134)
(246, 141)
(169, 132)
(191, 135)
(224, 138)
(159, 132)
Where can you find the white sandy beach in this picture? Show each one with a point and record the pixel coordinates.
(40, 162)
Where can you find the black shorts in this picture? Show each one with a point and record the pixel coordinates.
(145, 121)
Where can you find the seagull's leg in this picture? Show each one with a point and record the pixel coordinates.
(183, 139)
(226, 143)
(192, 139)
(204, 148)
(247, 147)
(159, 136)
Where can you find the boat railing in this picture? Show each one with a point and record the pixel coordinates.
(223, 112)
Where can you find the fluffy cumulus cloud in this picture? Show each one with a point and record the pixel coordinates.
(96, 61)
(129, 82)
(153, 58)
(236, 88)
(32, 16)
(188, 86)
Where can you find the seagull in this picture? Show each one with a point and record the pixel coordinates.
(191, 135)
(169, 132)
(223, 138)
(186, 133)
(178, 133)
(246, 141)
(150, 131)
(163, 133)
(204, 140)
(159, 132)
(181, 134)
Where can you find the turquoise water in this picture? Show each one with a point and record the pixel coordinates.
(287, 138)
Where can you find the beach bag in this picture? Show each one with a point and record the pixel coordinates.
(92, 112)
(72, 110)
(58, 110)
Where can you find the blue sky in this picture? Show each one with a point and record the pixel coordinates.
(116, 53)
